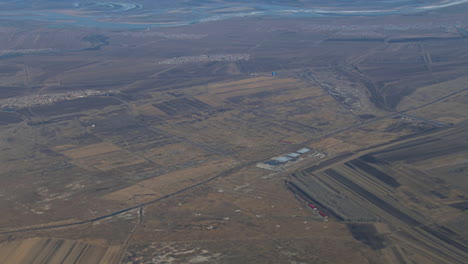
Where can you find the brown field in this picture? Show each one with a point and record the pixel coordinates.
(49, 250)
(87, 151)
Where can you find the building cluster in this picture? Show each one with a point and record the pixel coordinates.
(206, 58)
(45, 99)
(283, 161)
(446, 27)
(142, 34)
(22, 51)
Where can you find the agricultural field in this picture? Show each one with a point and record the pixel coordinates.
(398, 186)
(233, 132)
(42, 250)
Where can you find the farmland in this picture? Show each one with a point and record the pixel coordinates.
(212, 135)
(415, 201)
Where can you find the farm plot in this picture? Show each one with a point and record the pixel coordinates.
(184, 106)
(9, 118)
(108, 161)
(100, 156)
(176, 155)
(136, 138)
(89, 150)
(56, 251)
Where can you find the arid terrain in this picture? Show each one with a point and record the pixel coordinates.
(234, 132)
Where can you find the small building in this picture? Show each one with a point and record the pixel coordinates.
(293, 155)
(283, 159)
(303, 150)
(273, 162)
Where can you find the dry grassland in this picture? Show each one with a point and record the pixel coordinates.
(175, 154)
(168, 170)
(250, 208)
(170, 182)
(335, 146)
(367, 135)
(305, 250)
(452, 110)
(428, 93)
